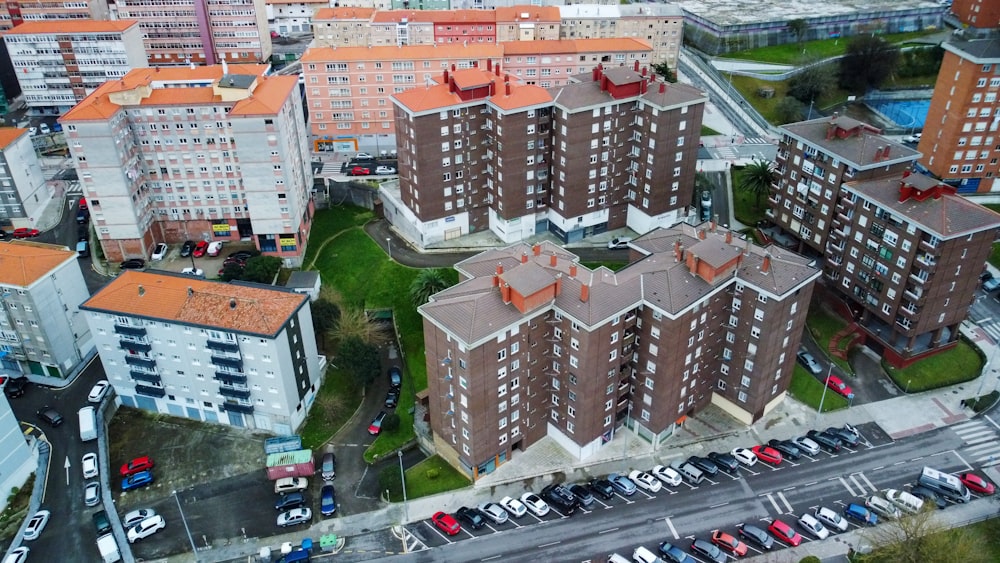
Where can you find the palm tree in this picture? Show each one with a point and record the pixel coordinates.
(427, 283)
(757, 178)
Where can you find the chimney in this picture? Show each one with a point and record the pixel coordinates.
(445, 76)
(493, 88)
(595, 73)
(746, 247)
(496, 280)
(505, 293)
(729, 237)
(499, 269)
(878, 153)
(232, 303)
(645, 70)
(701, 234)
(553, 260)
(678, 250)
(142, 291)
(692, 263)
(636, 66)
(604, 83)
(766, 265)
(496, 69)
(834, 117)
(536, 249)
(507, 84)
(885, 153)
(584, 292)
(663, 87)
(558, 284)
(451, 85)
(572, 270)
(453, 67)
(475, 64)
(711, 226)
(524, 257)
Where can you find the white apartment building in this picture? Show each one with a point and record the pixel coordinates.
(237, 354)
(42, 334)
(170, 154)
(23, 190)
(59, 63)
(286, 17)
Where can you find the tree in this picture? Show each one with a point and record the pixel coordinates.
(869, 60)
(232, 271)
(325, 315)
(663, 70)
(756, 178)
(390, 423)
(354, 324)
(798, 27)
(811, 83)
(920, 538)
(789, 110)
(427, 283)
(360, 359)
(261, 269)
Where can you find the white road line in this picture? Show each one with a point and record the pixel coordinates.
(993, 422)
(967, 424)
(718, 505)
(848, 487)
(877, 468)
(967, 464)
(857, 483)
(865, 479)
(810, 483)
(492, 558)
(608, 531)
(899, 463)
(774, 504)
(784, 500)
(788, 489)
(983, 448)
(918, 458)
(550, 544)
(673, 531)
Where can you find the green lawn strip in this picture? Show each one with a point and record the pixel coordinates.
(336, 402)
(959, 364)
(609, 264)
(744, 204)
(796, 53)
(433, 476)
(823, 326)
(994, 258)
(707, 131)
(329, 222)
(809, 390)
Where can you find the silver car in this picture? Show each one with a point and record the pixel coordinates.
(807, 445)
(92, 494)
(494, 512)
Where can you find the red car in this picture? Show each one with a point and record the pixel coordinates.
(977, 484)
(729, 544)
(136, 465)
(200, 249)
(25, 232)
(838, 385)
(784, 533)
(768, 454)
(446, 523)
(83, 204)
(359, 171)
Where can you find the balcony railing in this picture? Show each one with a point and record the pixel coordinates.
(130, 330)
(227, 361)
(237, 407)
(230, 377)
(135, 346)
(223, 346)
(141, 362)
(150, 391)
(146, 376)
(234, 392)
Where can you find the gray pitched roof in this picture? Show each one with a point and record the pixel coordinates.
(859, 148)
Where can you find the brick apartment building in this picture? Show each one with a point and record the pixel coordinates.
(14, 13)
(901, 248)
(531, 345)
(981, 14)
(237, 354)
(349, 88)
(611, 149)
(212, 153)
(59, 63)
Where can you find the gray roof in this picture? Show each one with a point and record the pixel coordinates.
(584, 92)
(860, 145)
(947, 216)
(303, 279)
(732, 12)
(980, 51)
(239, 81)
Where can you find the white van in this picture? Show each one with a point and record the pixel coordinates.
(904, 500)
(689, 472)
(615, 558)
(88, 424)
(643, 555)
(946, 484)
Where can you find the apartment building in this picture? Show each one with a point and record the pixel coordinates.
(237, 354)
(348, 88)
(19, 460)
(59, 63)
(661, 25)
(902, 248)
(814, 158)
(530, 345)
(23, 190)
(342, 27)
(286, 17)
(981, 14)
(202, 32)
(42, 333)
(611, 149)
(961, 144)
(14, 13)
(213, 153)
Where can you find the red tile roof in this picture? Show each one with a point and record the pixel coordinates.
(405, 52)
(10, 134)
(22, 263)
(39, 27)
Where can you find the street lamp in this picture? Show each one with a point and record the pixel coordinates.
(826, 385)
(194, 548)
(402, 478)
(388, 242)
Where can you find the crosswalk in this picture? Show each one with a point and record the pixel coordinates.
(330, 168)
(980, 441)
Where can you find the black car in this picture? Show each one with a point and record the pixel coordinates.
(928, 495)
(560, 498)
(50, 416)
(756, 536)
(471, 516)
(724, 461)
(787, 448)
(391, 398)
(395, 377)
(187, 248)
(242, 255)
(829, 443)
(704, 464)
(582, 495)
(133, 264)
(602, 488)
(82, 216)
(846, 436)
(289, 501)
(82, 233)
(16, 387)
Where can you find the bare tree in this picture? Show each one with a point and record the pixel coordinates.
(921, 538)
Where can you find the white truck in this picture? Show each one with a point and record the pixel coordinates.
(88, 424)
(108, 547)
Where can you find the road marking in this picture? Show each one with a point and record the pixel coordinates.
(784, 500)
(865, 479)
(959, 456)
(673, 531)
(993, 422)
(491, 558)
(917, 458)
(608, 531)
(810, 483)
(899, 463)
(773, 503)
(848, 487)
(550, 544)
(788, 489)
(753, 548)
(718, 505)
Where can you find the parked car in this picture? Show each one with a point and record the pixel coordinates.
(806, 444)
(668, 475)
(187, 248)
(376, 426)
(134, 517)
(294, 517)
(89, 465)
(146, 528)
(535, 504)
(706, 549)
(706, 205)
(98, 391)
(327, 500)
(559, 497)
(729, 544)
(391, 398)
(36, 525)
(44, 128)
(977, 484)
(787, 449)
(288, 501)
(328, 467)
(839, 387)
(744, 456)
(141, 463)
(159, 251)
(827, 442)
(472, 517)
(385, 170)
(622, 484)
(16, 386)
(813, 527)
(132, 264)
(359, 171)
(904, 501)
(582, 494)
(50, 416)
(494, 512)
(882, 507)
(619, 242)
(831, 519)
(756, 536)
(848, 438)
(767, 454)
(704, 464)
(137, 480)
(646, 481)
(912, 139)
(364, 156)
(784, 533)
(196, 272)
(860, 514)
(25, 232)
(809, 362)
(395, 377)
(214, 248)
(725, 462)
(82, 216)
(673, 554)
(928, 495)
(290, 485)
(92, 494)
(200, 248)
(17, 555)
(513, 506)
(602, 488)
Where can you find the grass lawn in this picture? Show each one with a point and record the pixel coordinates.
(984, 539)
(613, 266)
(823, 325)
(745, 204)
(337, 400)
(707, 131)
(961, 363)
(794, 53)
(994, 258)
(429, 477)
(809, 390)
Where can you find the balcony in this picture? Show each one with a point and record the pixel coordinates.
(230, 377)
(227, 361)
(134, 347)
(140, 362)
(146, 376)
(130, 330)
(928, 246)
(223, 346)
(237, 407)
(919, 276)
(234, 392)
(150, 391)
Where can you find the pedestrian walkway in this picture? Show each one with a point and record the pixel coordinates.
(980, 441)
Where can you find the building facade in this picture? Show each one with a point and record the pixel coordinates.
(531, 345)
(210, 153)
(901, 248)
(660, 25)
(59, 63)
(23, 190)
(286, 17)
(42, 334)
(237, 354)
(19, 460)
(961, 143)
(982, 14)
(14, 13)
(612, 149)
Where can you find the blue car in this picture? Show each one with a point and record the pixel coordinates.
(138, 480)
(860, 514)
(328, 500)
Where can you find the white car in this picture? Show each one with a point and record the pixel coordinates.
(813, 527)
(44, 128)
(132, 518)
(385, 170)
(494, 512)
(98, 391)
(36, 525)
(535, 504)
(914, 139)
(363, 156)
(831, 519)
(882, 507)
(33, 131)
(92, 494)
(19, 555)
(807, 445)
(90, 466)
(646, 481)
(159, 251)
(294, 516)
(903, 500)
(197, 272)
(146, 528)
(513, 506)
(619, 242)
(744, 456)
(215, 248)
(668, 475)
(290, 485)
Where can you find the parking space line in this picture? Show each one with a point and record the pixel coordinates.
(550, 544)
(436, 531)
(753, 548)
(810, 483)
(625, 498)
(785, 500)
(608, 531)
(673, 531)
(750, 471)
(848, 487)
(718, 505)
(777, 508)
(711, 481)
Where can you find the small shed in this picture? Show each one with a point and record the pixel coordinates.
(305, 282)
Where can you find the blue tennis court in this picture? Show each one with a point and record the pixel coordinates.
(909, 114)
